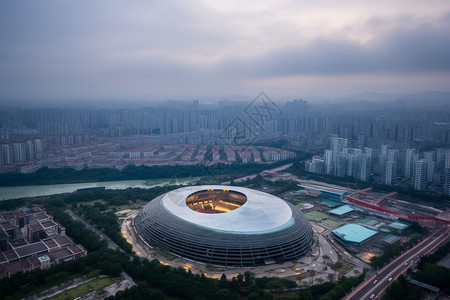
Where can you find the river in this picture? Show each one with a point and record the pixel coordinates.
(14, 192)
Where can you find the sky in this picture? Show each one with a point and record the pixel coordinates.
(110, 49)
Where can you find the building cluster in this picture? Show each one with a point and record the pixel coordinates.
(107, 153)
(30, 239)
(215, 121)
(21, 151)
(366, 229)
(385, 165)
(28, 135)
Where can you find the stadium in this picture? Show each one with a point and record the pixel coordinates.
(225, 225)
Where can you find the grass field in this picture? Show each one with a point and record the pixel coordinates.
(333, 223)
(297, 202)
(83, 289)
(316, 215)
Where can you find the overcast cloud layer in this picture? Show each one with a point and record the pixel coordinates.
(109, 49)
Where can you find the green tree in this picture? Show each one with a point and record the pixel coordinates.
(394, 291)
(305, 294)
(240, 278)
(223, 294)
(253, 296)
(268, 296)
(275, 284)
(249, 277)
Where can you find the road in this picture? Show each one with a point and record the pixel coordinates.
(127, 226)
(274, 170)
(327, 249)
(374, 286)
(111, 244)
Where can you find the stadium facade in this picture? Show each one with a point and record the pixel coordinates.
(225, 225)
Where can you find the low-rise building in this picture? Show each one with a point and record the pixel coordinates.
(30, 239)
(353, 234)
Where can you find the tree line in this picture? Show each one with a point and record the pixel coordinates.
(69, 175)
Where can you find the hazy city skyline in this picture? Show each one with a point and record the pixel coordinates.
(154, 51)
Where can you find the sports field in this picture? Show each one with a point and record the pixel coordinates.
(316, 215)
(297, 202)
(333, 223)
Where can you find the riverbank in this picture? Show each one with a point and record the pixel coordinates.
(15, 192)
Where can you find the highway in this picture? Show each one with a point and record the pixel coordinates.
(373, 287)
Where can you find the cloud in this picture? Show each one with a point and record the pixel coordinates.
(420, 49)
(148, 47)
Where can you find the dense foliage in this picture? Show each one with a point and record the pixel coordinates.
(77, 230)
(431, 273)
(439, 254)
(344, 286)
(435, 275)
(275, 283)
(105, 221)
(401, 289)
(69, 175)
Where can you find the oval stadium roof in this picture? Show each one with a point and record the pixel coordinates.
(263, 229)
(261, 213)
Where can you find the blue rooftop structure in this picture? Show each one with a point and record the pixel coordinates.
(328, 195)
(327, 191)
(391, 239)
(398, 226)
(342, 210)
(330, 203)
(353, 234)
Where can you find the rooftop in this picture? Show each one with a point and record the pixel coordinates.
(391, 238)
(36, 227)
(10, 255)
(330, 203)
(13, 267)
(42, 216)
(18, 242)
(324, 187)
(8, 225)
(342, 210)
(48, 224)
(261, 213)
(354, 233)
(31, 249)
(2, 258)
(370, 222)
(60, 254)
(43, 258)
(50, 243)
(62, 240)
(75, 249)
(398, 225)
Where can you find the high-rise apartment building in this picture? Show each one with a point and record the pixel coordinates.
(447, 182)
(420, 175)
(429, 157)
(19, 152)
(365, 164)
(410, 161)
(391, 166)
